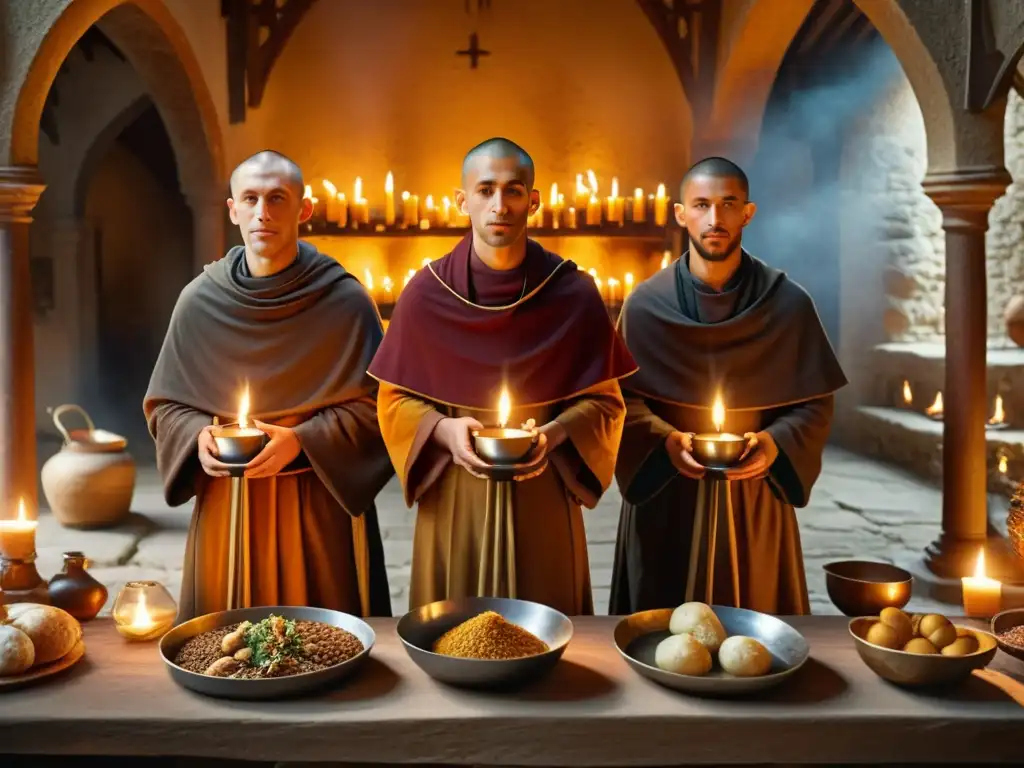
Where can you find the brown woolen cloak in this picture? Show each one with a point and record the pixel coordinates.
(760, 344)
(553, 343)
(301, 339)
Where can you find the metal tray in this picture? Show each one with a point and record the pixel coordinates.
(268, 688)
(637, 636)
(419, 629)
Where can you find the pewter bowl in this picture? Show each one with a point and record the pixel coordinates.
(238, 445)
(637, 636)
(419, 630)
(865, 587)
(717, 452)
(503, 446)
(266, 688)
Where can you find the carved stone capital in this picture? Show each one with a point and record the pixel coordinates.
(20, 188)
(965, 197)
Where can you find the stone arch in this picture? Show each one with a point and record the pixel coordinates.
(924, 76)
(156, 47)
(752, 57)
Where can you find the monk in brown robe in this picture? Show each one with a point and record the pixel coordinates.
(720, 323)
(297, 329)
(501, 312)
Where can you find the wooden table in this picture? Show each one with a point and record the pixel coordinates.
(593, 710)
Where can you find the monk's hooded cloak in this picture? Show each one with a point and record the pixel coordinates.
(301, 340)
(460, 332)
(760, 345)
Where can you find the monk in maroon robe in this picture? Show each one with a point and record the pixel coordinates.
(299, 330)
(720, 323)
(501, 312)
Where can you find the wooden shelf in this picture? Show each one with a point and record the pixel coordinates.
(647, 232)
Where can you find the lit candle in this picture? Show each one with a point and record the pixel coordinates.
(504, 408)
(613, 289)
(360, 207)
(570, 218)
(594, 211)
(333, 211)
(388, 287)
(582, 194)
(661, 207)
(665, 259)
(143, 611)
(368, 284)
(445, 214)
(629, 285)
(410, 209)
(982, 595)
(639, 206)
(614, 203)
(342, 210)
(429, 214)
(592, 182)
(18, 536)
(556, 212)
(389, 200)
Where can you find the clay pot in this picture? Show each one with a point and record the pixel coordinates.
(74, 590)
(1014, 318)
(90, 481)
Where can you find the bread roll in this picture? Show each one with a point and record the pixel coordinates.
(682, 654)
(53, 631)
(699, 620)
(17, 653)
(744, 657)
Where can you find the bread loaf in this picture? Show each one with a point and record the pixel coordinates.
(53, 632)
(17, 653)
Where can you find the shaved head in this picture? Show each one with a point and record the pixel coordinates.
(718, 168)
(267, 162)
(500, 149)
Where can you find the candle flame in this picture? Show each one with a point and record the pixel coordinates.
(998, 416)
(629, 279)
(243, 408)
(504, 408)
(935, 409)
(554, 194)
(1003, 462)
(331, 189)
(22, 516)
(581, 189)
(405, 195)
(718, 413)
(369, 279)
(389, 183)
(908, 396)
(359, 189)
(141, 617)
(592, 180)
(638, 192)
(979, 567)
(661, 190)
(430, 202)
(615, 186)
(308, 192)
(386, 283)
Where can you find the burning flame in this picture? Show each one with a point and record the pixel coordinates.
(308, 192)
(332, 190)
(615, 186)
(979, 567)
(998, 416)
(580, 188)
(504, 408)
(629, 282)
(554, 195)
(935, 409)
(1002, 465)
(243, 408)
(22, 516)
(592, 180)
(389, 183)
(369, 280)
(718, 412)
(386, 284)
(359, 189)
(141, 617)
(908, 396)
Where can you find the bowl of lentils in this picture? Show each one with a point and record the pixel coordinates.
(1008, 627)
(265, 653)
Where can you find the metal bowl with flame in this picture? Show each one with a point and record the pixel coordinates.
(237, 444)
(502, 446)
(717, 450)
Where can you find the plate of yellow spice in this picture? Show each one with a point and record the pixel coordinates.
(485, 642)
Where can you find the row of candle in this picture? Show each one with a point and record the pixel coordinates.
(586, 208)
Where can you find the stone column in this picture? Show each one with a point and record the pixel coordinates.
(208, 212)
(20, 188)
(965, 199)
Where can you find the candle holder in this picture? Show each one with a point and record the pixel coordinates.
(238, 445)
(143, 611)
(503, 446)
(20, 582)
(718, 450)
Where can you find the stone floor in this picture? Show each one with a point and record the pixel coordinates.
(859, 509)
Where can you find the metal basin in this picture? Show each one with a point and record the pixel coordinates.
(419, 629)
(637, 636)
(716, 451)
(503, 446)
(269, 688)
(864, 588)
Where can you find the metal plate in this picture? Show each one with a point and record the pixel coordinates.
(637, 636)
(269, 688)
(419, 629)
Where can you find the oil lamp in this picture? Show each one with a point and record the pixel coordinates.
(143, 610)
(718, 450)
(20, 582)
(502, 445)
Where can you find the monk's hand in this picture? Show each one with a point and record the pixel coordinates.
(208, 454)
(757, 459)
(455, 435)
(535, 462)
(280, 451)
(679, 446)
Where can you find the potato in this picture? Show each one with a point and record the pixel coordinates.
(224, 667)
(962, 646)
(931, 622)
(899, 621)
(235, 641)
(883, 635)
(943, 636)
(699, 620)
(243, 655)
(920, 645)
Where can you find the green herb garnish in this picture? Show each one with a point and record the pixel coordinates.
(273, 640)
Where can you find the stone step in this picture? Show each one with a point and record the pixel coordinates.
(914, 442)
(923, 364)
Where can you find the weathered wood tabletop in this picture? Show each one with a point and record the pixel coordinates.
(592, 710)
